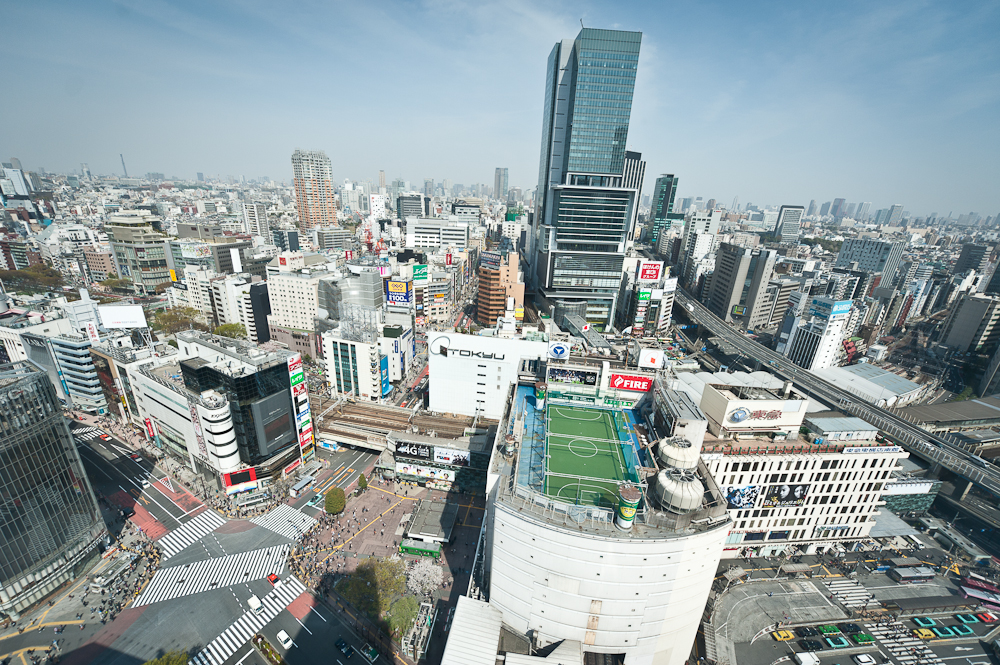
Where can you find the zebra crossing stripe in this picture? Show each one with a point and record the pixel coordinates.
(211, 574)
(285, 521)
(177, 540)
(225, 645)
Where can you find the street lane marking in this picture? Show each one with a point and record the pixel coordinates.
(318, 614)
(303, 626)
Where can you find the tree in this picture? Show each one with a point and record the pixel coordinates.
(163, 286)
(423, 576)
(362, 482)
(170, 321)
(402, 614)
(233, 330)
(335, 501)
(307, 359)
(374, 584)
(170, 658)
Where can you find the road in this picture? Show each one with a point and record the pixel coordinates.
(940, 449)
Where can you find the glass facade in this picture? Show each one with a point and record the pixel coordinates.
(49, 519)
(606, 63)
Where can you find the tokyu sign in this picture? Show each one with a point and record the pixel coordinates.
(631, 382)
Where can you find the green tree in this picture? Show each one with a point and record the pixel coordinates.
(170, 658)
(374, 585)
(234, 330)
(335, 501)
(362, 482)
(402, 614)
(170, 321)
(307, 359)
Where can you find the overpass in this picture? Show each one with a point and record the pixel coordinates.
(941, 450)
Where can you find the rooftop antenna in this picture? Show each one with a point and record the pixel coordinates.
(123, 164)
(581, 23)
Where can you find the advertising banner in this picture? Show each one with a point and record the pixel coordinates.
(651, 358)
(631, 382)
(447, 259)
(650, 271)
(291, 467)
(451, 456)
(785, 496)
(419, 272)
(424, 471)
(300, 395)
(739, 310)
(92, 333)
(415, 450)
(490, 259)
(348, 254)
(173, 275)
(384, 372)
(872, 449)
(741, 497)
(398, 292)
(195, 251)
(644, 296)
(298, 390)
(577, 377)
(239, 477)
(670, 285)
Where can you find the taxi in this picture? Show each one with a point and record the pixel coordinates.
(923, 634)
(783, 635)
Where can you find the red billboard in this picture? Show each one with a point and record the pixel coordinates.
(639, 384)
(239, 477)
(650, 271)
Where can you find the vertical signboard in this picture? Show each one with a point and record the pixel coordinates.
(300, 407)
(92, 333)
(384, 372)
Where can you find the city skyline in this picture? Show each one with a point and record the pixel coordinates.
(809, 110)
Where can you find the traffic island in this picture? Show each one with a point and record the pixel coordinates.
(268, 652)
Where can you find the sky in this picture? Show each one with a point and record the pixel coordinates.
(772, 102)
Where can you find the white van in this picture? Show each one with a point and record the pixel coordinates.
(255, 605)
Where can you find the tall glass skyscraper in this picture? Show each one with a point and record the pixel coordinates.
(50, 524)
(584, 201)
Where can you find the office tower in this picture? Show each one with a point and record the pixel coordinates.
(837, 209)
(895, 214)
(583, 209)
(49, 518)
(686, 204)
(787, 227)
(429, 187)
(633, 175)
(376, 206)
(973, 324)
(816, 343)
(200, 176)
(663, 205)
(255, 219)
(381, 181)
(864, 209)
(739, 284)
(850, 210)
(811, 211)
(409, 205)
(500, 184)
(498, 281)
(871, 255)
(973, 257)
(287, 240)
(314, 188)
(824, 209)
(711, 204)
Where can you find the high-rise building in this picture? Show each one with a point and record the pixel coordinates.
(662, 206)
(634, 174)
(824, 209)
(787, 227)
(837, 209)
(255, 219)
(895, 214)
(500, 184)
(200, 176)
(139, 251)
(429, 187)
(815, 341)
(498, 281)
(381, 182)
(973, 257)
(973, 324)
(287, 240)
(739, 284)
(583, 208)
(864, 209)
(812, 208)
(314, 188)
(871, 255)
(49, 518)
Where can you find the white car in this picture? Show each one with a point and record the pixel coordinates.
(864, 659)
(286, 641)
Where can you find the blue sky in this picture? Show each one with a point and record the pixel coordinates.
(778, 102)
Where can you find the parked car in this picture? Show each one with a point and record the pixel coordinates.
(863, 659)
(783, 635)
(344, 647)
(806, 631)
(923, 633)
(273, 579)
(284, 639)
(849, 628)
(811, 645)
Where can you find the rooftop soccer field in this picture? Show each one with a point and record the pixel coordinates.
(584, 458)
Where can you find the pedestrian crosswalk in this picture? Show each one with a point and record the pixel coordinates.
(907, 649)
(850, 594)
(180, 538)
(226, 644)
(286, 521)
(87, 433)
(178, 581)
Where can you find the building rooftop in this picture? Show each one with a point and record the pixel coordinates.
(983, 411)
(11, 373)
(868, 379)
(840, 424)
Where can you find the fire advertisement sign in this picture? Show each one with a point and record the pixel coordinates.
(300, 394)
(298, 390)
(295, 363)
(631, 382)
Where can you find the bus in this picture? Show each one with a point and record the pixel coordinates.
(986, 600)
(917, 575)
(977, 582)
(420, 548)
(301, 487)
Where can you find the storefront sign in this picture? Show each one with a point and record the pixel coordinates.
(451, 456)
(873, 449)
(416, 450)
(650, 271)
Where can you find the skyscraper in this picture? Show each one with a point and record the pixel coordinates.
(49, 518)
(872, 255)
(500, 184)
(788, 223)
(973, 257)
(812, 208)
(864, 209)
(895, 214)
(255, 219)
(633, 175)
(837, 209)
(314, 188)
(739, 284)
(583, 207)
(663, 205)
